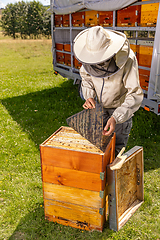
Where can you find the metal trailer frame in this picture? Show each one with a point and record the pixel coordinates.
(151, 101)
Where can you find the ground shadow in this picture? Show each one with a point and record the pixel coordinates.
(41, 113)
(34, 226)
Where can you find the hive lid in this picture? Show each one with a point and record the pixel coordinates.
(89, 123)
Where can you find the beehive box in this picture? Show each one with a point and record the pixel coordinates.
(60, 57)
(66, 20)
(58, 20)
(129, 16)
(125, 188)
(76, 63)
(135, 48)
(59, 46)
(105, 18)
(67, 59)
(149, 13)
(144, 78)
(91, 18)
(67, 47)
(74, 179)
(144, 55)
(78, 19)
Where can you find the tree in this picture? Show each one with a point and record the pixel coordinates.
(46, 24)
(26, 19)
(9, 20)
(34, 18)
(21, 19)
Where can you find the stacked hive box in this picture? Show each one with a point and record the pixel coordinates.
(144, 15)
(58, 20)
(66, 20)
(67, 56)
(149, 14)
(144, 57)
(129, 16)
(76, 63)
(105, 18)
(91, 18)
(74, 179)
(78, 19)
(59, 55)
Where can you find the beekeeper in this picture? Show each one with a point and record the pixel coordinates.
(110, 76)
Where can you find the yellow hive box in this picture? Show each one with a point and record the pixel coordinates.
(149, 14)
(145, 55)
(91, 18)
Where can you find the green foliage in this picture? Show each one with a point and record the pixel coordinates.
(26, 19)
(46, 24)
(9, 21)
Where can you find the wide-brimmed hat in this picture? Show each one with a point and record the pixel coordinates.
(95, 45)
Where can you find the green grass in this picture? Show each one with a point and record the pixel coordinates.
(35, 103)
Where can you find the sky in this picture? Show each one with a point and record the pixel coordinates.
(3, 3)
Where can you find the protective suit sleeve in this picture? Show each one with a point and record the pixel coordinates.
(87, 85)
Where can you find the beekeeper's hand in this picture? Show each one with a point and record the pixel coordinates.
(89, 103)
(110, 127)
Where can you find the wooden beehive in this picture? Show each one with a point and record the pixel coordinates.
(78, 19)
(145, 55)
(149, 13)
(67, 47)
(135, 48)
(144, 78)
(125, 188)
(129, 16)
(76, 63)
(58, 20)
(66, 20)
(60, 57)
(105, 18)
(67, 59)
(91, 18)
(59, 46)
(74, 179)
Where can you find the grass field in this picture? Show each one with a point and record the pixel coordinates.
(35, 103)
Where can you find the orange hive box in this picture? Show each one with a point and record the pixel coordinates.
(74, 179)
(135, 48)
(78, 19)
(58, 20)
(129, 16)
(60, 57)
(59, 46)
(67, 47)
(76, 63)
(66, 20)
(144, 78)
(67, 59)
(105, 18)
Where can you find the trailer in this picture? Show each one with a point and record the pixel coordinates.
(139, 20)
